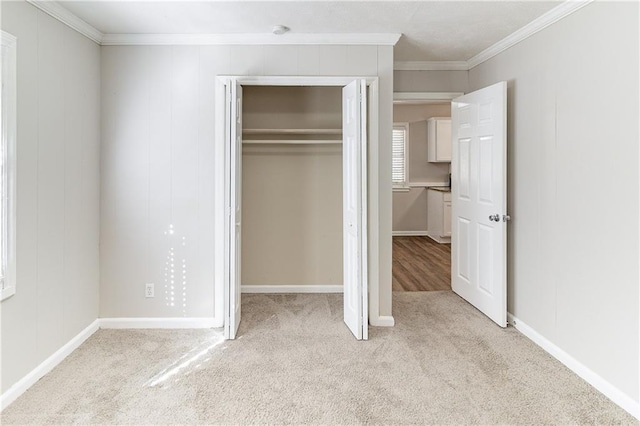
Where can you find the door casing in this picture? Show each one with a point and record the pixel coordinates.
(221, 169)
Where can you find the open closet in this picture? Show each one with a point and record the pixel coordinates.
(292, 189)
(295, 193)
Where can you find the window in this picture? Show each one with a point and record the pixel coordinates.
(8, 168)
(400, 148)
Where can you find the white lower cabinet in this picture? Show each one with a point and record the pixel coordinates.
(439, 214)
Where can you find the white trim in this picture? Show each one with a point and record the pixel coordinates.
(7, 292)
(220, 212)
(424, 97)
(8, 104)
(554, 15)
(409, 234)
(377, 39)
(401, 188)
(373, 199)
(591, 377)
(440, 239)
(382, 321)
(301, 288)
(294, 80)
(221, 143)
(430, 66)
(159, 323)
(62, 14)
(364, 200)
(46, 366)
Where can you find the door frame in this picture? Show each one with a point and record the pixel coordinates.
(220, 171)
(418, 98)
(422, 98)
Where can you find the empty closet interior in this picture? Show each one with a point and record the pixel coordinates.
(292, 187)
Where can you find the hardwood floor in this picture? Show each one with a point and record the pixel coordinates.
(421, 264)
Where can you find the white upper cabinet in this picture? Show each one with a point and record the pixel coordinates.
(439, 140)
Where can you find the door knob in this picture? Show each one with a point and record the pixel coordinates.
(494, 217)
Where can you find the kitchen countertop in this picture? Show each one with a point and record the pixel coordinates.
(441, 188)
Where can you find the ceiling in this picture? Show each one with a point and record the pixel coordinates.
(432, 30)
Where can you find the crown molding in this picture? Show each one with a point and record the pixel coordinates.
(554, 15)
(250, 39)
(59, 12)
(63, 15)
(430, 66)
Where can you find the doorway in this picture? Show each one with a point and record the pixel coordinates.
(473, 207)
(422, 193)
(355, 129)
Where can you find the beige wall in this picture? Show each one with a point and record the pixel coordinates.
(573, 147)
(410, 207)
(273, 107)
(430, 81)
(410, 212)
(292, 215)
(292, 194)
(58, 138)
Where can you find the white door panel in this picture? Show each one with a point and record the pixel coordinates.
(354, 165)
(233, 219)
(479, 196)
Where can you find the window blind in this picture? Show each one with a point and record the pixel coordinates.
(398, 158)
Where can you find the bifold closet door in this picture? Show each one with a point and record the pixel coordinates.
(233, 216)
(354, 175)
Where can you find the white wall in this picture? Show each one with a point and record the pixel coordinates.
(573, 185)
(410, 207)
(158, 164)
(58, 200)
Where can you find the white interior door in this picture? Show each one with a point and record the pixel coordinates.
(354, 174)
(479, 198)
(233, 218)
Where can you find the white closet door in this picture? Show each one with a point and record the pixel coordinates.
(479, 197)
(233, 217)
(354, 174)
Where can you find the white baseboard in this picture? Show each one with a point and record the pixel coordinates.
(46, 366)
(409, 234)
(382, 321)
(440, 240)
(595, 380)
(166, 323)
(292, 288)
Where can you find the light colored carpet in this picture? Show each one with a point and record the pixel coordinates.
(295, 362)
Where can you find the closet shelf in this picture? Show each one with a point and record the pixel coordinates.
(292, 131)
(292, 141)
